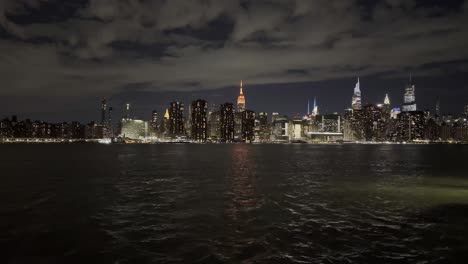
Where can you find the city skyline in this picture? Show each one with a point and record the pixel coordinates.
(62, 55)
(127, 109)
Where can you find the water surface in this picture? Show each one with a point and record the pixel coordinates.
(79, 203)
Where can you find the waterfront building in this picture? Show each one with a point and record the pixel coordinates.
(241, 99)
(280, 129)
(176, 119)
(348, 134)
(262, 127)
(199, 124)
(248, 125)
(227, 121)
(214, 124)
(356, 100)
(93, 131)
(134, 128)
(374, 123)
(411, 126)
(296, 130)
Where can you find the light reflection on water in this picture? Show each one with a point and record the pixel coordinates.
(235, 203)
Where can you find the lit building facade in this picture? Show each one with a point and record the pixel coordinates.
(356, 100)
(248, 126)
(227, 122)
(199, 120)
(176, 119)
(409, 100)
(134, 128)
(214, 124)
(241, 99)
(410, 126)
(154, 123)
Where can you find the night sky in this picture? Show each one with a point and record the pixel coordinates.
(59, 58)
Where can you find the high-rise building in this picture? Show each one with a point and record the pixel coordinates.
(227, 122)
(315, 111)
(154, 123)
(386, 107)
(437, 109)
(214, 123)
(356, 100)
(348, 134)
(241, 100)
(108, 129)
(176, 119)
(248, 125)
(411, 126)
(466, 111)
(409, 103)
(103, 111)
(199, 120)
(164, 130)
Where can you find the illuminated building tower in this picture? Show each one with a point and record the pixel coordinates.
(154, 122)
(386, 106)
(410, 126)
(410, 98)
(103, 111)
(348, 134)
(241, 100)
(356, 101)
(199, 120)
(315, 112)
(227, 122)
(214, 124)
(110, 127)
(165, 124)
(248, 125)
(176, 119)
(466, 111)
(262, 127)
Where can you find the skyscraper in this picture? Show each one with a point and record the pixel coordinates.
(227, 122)
(241, 100)
(176, 119)
(103, 111)
(248, 125)
(214, 123)
(315, 112)
(199, 120)
(154, 122)
(356, 101)
(386, 105)
(410, 98)
(110, 127)
(164, 130)
(466, 111)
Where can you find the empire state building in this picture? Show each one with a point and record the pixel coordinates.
(241, 100)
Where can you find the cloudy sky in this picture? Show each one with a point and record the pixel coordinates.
(59, 58)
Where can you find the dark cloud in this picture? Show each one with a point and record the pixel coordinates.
(103, 47)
